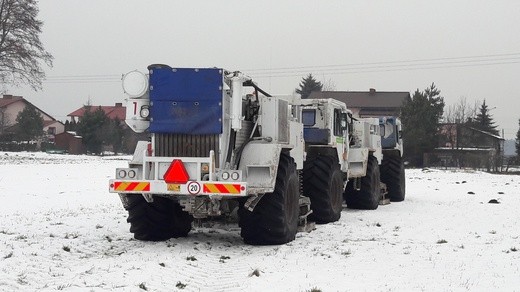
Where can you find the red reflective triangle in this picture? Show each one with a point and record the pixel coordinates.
(176, 173)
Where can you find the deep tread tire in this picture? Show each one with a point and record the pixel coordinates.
(323, 184)
(160, 220)
(368, 196)
(393, 175)
(274, 220)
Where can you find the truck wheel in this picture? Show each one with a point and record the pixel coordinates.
(323, 184)
(160, 220)
(392, 174)
(368, 196)
(274, 220)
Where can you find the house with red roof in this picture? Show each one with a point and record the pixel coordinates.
(11, 105)
(112, 112)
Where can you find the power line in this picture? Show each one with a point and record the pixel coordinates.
(379, 69)
(335, 69)
(478, 57)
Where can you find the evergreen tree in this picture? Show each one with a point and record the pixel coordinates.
(90, 129)
(30, 124)
(308, 85)
(484, 121)
(420, 116)
(112, 134)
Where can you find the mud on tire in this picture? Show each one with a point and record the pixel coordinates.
(274, 220)
(393, 175)
(160, 220)
(368, 196)
(323, 184)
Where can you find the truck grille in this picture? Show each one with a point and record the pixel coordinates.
(184, 145)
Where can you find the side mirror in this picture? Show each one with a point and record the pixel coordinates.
(344, 124)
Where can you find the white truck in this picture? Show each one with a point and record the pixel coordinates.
(219, 142)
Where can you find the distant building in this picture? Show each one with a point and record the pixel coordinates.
(112, 112)
(370, 103)
(11, 106)
(117, 111)
(461, 145)
(70, 142)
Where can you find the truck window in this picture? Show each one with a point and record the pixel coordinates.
(309, 117)
(337, 122)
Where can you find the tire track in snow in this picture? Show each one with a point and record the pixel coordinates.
(220, 264)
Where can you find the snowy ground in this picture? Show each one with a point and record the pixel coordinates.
(60, 229)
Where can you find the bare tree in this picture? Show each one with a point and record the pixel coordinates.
(329, 85)
(461, 112)
(21, 50)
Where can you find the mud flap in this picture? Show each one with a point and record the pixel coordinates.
(251, 203)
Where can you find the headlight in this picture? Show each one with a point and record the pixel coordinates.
(135, 83)
(145, 112)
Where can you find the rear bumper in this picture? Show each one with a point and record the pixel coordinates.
(191, 188)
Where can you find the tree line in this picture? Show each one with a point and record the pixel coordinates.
(98, 132)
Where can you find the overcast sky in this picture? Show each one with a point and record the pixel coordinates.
(468, 48)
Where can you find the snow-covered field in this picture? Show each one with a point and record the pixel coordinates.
(60, 229)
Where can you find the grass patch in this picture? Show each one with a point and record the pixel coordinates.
(255, 272)
(223, 259)
(346, 253)
(21, 237)
(71, 235)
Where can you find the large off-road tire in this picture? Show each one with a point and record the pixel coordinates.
(160, 220)
(392, 174)
(274, 220)
(368, 196)
(323, 184)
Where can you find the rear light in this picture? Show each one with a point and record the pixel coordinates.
(126, 173)
(225, 175)
(235, 175)
(204, 168)
(121, 173)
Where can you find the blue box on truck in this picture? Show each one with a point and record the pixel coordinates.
(185, 100)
